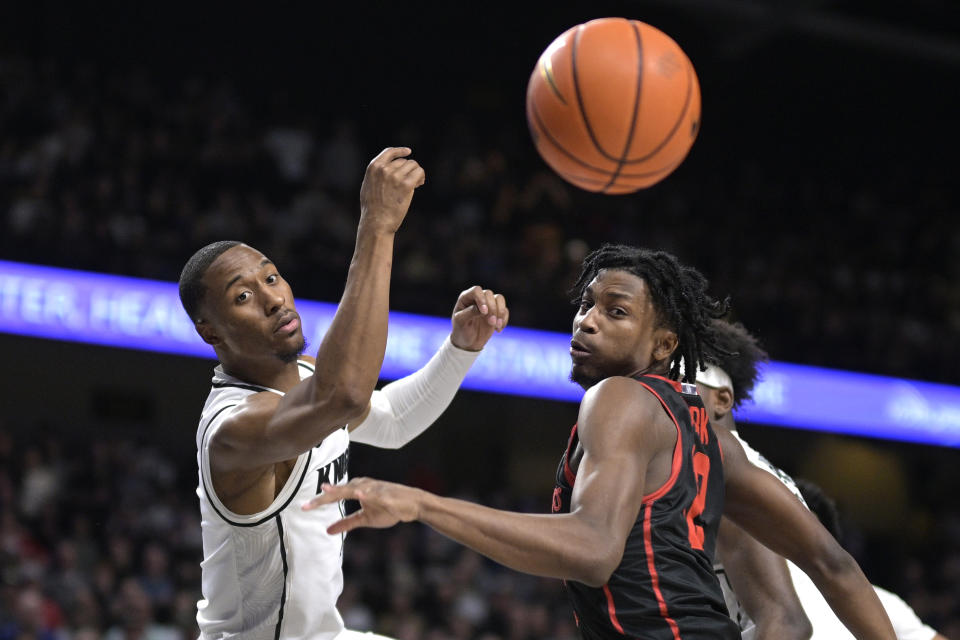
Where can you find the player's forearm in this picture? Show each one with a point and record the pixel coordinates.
(780, 626)
(351, 354)
(403, 409)
(762, 584)
(349, 357)
(553, 546)
(851, 596)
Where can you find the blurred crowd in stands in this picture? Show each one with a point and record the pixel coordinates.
(127, 172)
(100, 538)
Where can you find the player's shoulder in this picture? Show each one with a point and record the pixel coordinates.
(620, 401)
(255, 408)
(619, 388)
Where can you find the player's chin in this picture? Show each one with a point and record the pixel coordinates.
(582, 376)
(293, 347)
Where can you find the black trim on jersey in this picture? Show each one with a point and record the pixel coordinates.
(203, 437)
(306, 466)
(283, 594)
(248, 387)
(306, 365)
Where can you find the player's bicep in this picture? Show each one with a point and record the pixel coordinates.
(613, 427)
(241, 441)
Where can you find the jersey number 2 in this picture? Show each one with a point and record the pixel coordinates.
(701, 471)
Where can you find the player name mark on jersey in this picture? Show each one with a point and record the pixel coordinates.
(339, 468)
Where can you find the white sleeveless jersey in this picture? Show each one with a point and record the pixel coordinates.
(826, 624)
(277, 573)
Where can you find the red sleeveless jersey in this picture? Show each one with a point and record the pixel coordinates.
(664, 587)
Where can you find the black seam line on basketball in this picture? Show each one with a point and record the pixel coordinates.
(283, 593)
(272, 514)
(248, 387)
(569, 175)
(636, 108)
(548, 76)
(576, 90)
(561, 149)
(604, 180)
(676, 125)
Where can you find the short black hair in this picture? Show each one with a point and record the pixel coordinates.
(822, 505)
(741, 358)
(192, 289)
(678, 293)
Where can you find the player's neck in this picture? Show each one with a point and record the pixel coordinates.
(726, 422)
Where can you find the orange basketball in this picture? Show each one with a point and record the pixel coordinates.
(613, 105)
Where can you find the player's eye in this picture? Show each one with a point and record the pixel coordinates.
(243, 297)
(272, 278)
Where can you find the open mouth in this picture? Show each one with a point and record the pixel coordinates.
(577, 350)
(289, 324)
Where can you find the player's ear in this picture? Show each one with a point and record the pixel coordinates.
(664, 344)
(207, 332)
(724, 401)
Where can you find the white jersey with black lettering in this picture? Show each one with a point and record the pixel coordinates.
(277, 573)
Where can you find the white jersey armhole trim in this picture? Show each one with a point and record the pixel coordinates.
(283, 498)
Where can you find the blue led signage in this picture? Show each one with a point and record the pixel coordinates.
(142, 314)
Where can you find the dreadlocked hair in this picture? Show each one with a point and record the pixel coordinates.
(742, 360)
(679, 297)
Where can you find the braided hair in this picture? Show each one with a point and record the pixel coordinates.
(679, 297)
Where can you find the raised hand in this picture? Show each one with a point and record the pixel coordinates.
(477, 314)
(387, 188)
(382, 504)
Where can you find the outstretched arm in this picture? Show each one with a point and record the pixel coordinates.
(586, 545)
(762, 583)
(348, 362)
(768, 511)
(403, 409)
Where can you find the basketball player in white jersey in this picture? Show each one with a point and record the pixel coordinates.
(768, 596)
(276, 426)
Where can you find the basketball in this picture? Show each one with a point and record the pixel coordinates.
(613, 105)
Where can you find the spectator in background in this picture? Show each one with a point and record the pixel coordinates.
(34, 617)
(133, 612)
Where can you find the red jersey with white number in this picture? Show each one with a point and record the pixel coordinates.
(664, 587)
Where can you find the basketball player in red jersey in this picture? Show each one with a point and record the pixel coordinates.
(641, 486)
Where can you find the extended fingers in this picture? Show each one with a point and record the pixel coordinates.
(333, 493)
(351, 522)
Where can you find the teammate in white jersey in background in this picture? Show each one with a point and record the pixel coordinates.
(277, 425)
(766, 595)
